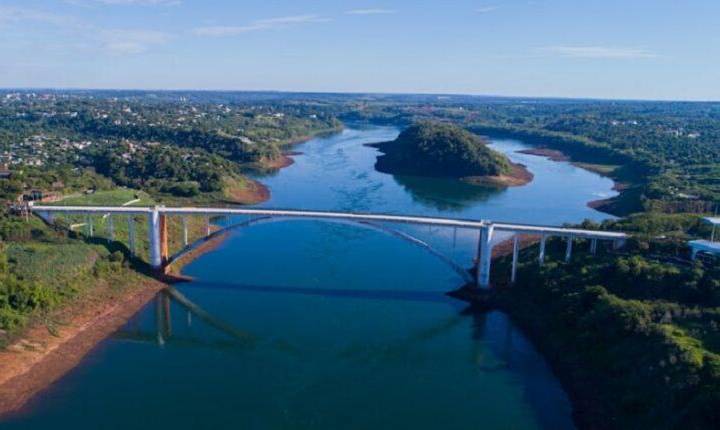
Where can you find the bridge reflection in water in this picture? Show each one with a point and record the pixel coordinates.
(495, 346)
(164, 324)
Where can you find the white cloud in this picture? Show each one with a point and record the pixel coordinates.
(131, 41)
(598, 52)
(259, 25)
(370, 12)
(73, 35)
(487, 9)
(10, 14)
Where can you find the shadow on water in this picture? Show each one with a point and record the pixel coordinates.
(164, 325)
(497, 346)
(445, 194)
(401, 295)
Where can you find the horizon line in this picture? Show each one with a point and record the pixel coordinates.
(378, 93)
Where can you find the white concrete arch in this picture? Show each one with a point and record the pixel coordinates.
(457, 268)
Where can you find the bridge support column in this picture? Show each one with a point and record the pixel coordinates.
(516, 250)
(89, 224)
(485, 256)
(110, 228)
(131, 234)
(207, 225)
(568, 250)
(593, 246)
(541, 255)
(185, 231)
(154, 236)
(164, 251)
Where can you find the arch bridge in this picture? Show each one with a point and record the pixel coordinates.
(157, 219)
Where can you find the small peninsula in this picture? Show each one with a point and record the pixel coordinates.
(443, 150)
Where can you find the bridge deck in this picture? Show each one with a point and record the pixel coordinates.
(435, 221)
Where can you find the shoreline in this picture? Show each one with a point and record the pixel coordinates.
(175, 267)
(587, 409)
(606, 205)
(253, 193)
(40, 358)
(518, 177)
(26, 370)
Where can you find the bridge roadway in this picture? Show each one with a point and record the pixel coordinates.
(487, 228)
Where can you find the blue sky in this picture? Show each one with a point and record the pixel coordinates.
(649, 49)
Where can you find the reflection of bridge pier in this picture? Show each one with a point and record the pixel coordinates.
(163, 321)
(163, 318)
(158, 230)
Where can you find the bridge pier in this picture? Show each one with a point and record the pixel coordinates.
(568, 250)
(154, 236)
(516, 250)
(164, 251)
(110, 228)
(131, 234)
(541, 255)
(484, 260)
(185, 230)
(593, 246)
(89, 224)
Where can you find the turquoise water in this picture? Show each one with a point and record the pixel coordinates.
(308, 325)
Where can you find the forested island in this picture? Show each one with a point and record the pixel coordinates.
(444, 150)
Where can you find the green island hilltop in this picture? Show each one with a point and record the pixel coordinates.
(444, 150)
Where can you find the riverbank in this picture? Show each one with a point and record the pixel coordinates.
(41, 356)
(624, 203)
(626, 173)
(174, 269)
(245, 191)
(519, 175)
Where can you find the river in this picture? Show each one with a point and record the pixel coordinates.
(307, 324)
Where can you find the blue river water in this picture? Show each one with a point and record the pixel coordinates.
(303, 324)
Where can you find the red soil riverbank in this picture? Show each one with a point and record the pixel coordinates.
(40, 357)
(519, 175)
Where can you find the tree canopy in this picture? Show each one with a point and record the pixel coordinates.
(438, 149)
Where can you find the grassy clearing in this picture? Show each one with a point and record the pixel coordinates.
(601, 169)
(116, 197)
(53, 263)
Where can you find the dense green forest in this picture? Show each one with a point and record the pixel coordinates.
(634, 334)
(436, 149)
(177, 147)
